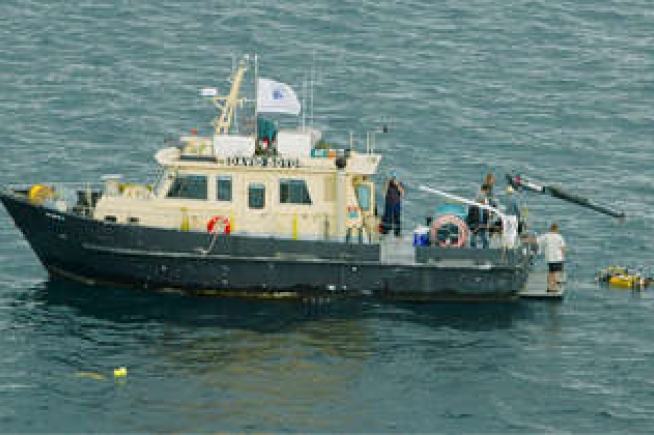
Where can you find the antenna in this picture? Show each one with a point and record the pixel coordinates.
(304, 98)
(313, 74)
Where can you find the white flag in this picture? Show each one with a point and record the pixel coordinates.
(275, 97)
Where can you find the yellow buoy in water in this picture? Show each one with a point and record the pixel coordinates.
(120, 372)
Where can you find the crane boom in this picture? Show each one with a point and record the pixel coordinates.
(521, 182)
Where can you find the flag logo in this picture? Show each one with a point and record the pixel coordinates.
(278, 94)
(276, 97)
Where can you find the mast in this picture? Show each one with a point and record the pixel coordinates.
(228, 104)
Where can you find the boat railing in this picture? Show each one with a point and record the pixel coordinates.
(419, 232)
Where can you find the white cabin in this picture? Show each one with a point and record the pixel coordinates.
(294, 191)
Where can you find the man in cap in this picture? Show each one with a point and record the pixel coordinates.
(393, 207)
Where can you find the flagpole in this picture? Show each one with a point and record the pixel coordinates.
(256, 99)
(304, 101)
(313, 71)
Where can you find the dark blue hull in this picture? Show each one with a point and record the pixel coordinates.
(96, 252)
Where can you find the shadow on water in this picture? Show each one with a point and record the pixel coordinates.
(122, 305)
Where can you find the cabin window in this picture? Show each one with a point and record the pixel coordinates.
(189, 187)
(363, 196)
(224, 188)
(294, 192)
(256, 196)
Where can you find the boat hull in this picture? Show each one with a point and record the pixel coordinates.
(95, 252)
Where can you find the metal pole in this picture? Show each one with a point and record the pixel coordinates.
(340, 204)
(256, 99)
(507, 221)
(367, 142)
(304, 100)
(463, 200)
(313, 72)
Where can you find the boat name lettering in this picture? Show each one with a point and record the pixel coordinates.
(270, 162)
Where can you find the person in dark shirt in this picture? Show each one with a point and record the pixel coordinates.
(393, 208)
(477, 221)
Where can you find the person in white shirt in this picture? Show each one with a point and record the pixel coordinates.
(553, 245)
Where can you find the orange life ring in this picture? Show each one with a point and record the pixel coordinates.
(449, 219)
(219, 224)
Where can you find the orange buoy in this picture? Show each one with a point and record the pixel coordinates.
(219, 224)
(450, 219)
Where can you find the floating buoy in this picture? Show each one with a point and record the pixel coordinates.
(621, 277)
(624, 281)
(120, 372)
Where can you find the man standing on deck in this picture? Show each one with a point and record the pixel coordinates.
(553, 245)
(513, 208)
(393, 208)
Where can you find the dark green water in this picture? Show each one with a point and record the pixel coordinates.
(560, 89)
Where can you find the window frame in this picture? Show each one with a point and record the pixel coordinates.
(220, 178)
(295, 181)
(186, 198)
(259, 186)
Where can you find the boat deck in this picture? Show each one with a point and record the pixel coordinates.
(536, 287)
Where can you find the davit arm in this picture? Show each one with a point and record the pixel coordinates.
(522, 182)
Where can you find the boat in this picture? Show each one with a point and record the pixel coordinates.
(271, 214)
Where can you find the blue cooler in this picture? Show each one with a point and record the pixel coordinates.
(421, 236)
